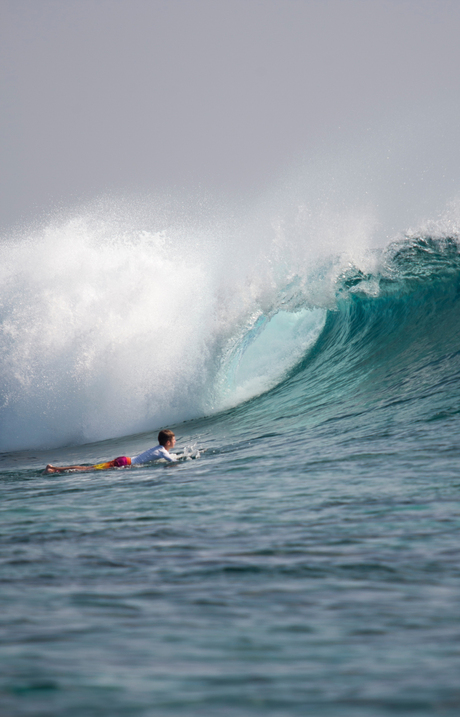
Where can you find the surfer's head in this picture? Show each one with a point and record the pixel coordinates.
(166, 438)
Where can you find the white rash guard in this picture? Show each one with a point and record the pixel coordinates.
(153, 454)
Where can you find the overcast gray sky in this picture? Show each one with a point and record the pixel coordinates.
(123, 95)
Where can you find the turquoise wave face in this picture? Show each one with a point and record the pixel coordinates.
(266, 352)
(388, 352)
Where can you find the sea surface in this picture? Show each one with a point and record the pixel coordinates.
(302, 557)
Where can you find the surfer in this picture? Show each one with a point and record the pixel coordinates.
(166, 441)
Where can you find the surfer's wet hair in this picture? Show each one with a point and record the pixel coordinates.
(165, 436)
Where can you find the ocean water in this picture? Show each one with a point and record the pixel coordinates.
(302, 557)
